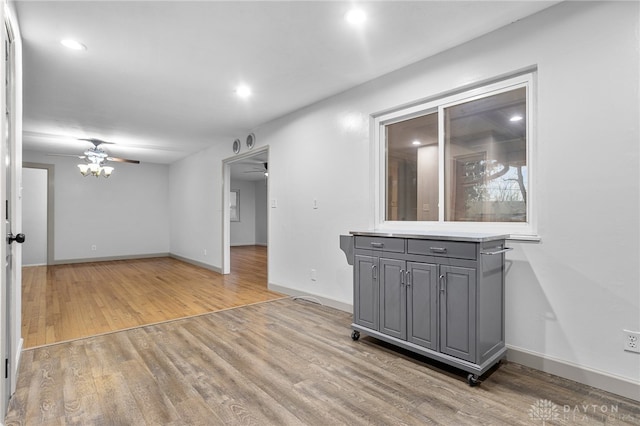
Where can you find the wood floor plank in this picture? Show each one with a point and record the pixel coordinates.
(65, 302)
(281, 362)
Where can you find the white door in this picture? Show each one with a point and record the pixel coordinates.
(7, 290)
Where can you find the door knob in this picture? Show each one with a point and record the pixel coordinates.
(17, 238)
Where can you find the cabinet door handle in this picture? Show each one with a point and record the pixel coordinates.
(374, 272)
(402, 281)
(408, 278)
(498, 251)
(377, 245)
(442, 283)
(438, 249)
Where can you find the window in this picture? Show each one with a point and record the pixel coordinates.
(460, 162)
(234, 205)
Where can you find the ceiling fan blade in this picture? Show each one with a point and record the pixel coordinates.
(122, 160)
(69, 155)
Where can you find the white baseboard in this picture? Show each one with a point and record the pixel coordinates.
(346, 307)
(196, 263)
(109, 258)
(140, 256)
(598, 379)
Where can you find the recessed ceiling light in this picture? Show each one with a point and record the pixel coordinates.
(243, 91)
(355, 16)
(516, 118)
(416, 142)
(73, 44)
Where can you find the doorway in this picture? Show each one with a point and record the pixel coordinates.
(38, 213)
(245, 195)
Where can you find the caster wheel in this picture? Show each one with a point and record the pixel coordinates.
(472, 379)
(355, 335)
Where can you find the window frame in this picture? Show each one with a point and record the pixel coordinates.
(234, 198)
(521, 230)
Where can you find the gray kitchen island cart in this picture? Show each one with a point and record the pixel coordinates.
(438, 295)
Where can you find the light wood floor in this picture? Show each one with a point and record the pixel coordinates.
(65, 302)
(282, 362)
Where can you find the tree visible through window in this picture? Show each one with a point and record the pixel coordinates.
(486, 145)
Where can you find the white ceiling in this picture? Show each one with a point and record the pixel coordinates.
(159, 77)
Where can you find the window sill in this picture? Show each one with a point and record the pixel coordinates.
(524, 238)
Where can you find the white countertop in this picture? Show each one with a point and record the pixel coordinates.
(478, 237)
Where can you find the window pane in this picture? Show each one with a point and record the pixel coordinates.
(486, 159)
(412, 169)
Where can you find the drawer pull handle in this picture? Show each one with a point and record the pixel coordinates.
(438, 249)
(377, 245)
(492, 253)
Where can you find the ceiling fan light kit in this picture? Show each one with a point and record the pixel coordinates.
(96, 159)
(96, 170)
(95, 165)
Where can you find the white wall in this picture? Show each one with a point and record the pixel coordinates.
(261, 213)
(195, 185)
(568, 297)
(124, 215)
(34, 216)
(243, 233)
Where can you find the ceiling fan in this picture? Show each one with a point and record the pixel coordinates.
(96, 159)
(264, 170)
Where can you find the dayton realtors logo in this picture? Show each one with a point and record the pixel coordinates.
(544, 410)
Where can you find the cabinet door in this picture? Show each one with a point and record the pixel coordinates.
(422, 304)
(393, 298)
(458, 312)
(365, 291)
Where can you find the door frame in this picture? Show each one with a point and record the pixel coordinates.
(50, 168)
(226, 217)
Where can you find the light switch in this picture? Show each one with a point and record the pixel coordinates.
(315, 203)
(274, 203)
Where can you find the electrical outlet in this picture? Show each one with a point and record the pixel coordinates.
(314, 275)
(93, 247)
(204, 252)
(631, 340)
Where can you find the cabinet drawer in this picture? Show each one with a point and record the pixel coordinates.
(456, 249)
(395, 245)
